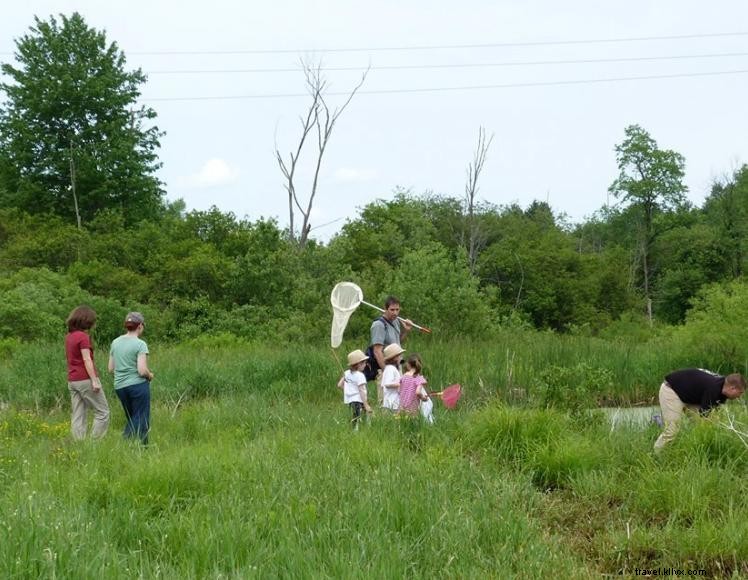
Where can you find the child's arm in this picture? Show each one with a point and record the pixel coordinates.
(341, 382)
(364, 396)
(421, 391)
(393, 382)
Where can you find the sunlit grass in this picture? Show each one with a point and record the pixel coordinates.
(253, 471)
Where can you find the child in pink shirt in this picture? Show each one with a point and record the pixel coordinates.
(412, 385)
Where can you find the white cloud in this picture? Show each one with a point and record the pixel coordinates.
(213, 173)
(349, 174)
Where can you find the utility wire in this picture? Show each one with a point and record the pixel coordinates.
(438, 46)
(461, 88)
(454, 66)
(445, 46)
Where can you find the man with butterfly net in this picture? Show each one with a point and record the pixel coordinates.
(386, 330)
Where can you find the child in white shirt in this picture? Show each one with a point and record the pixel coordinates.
(353, 385)
(391, 377)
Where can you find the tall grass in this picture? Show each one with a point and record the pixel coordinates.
(32, 375)
(272, 490)
(253, 471)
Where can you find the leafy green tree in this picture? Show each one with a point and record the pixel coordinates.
(727, 209)
(104, 279)
(269, 271)
(537, 272)
(72, 137)
(203, 272)
(439, 291)
(550, 275)
(34, 304)
(384, 233)
(38, 241)
(650, 180)
(690, 258)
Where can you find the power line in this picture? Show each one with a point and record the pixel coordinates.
(461, 88)
(443, 46)
(437, 47)
(454, 66)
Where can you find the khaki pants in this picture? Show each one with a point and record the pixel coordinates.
(672, 411)
(83, 398)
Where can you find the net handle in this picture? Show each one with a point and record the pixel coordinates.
(421, 328)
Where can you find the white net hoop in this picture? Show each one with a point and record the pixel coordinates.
(345, 298)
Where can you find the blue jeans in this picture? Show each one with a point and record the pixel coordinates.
(136, 401)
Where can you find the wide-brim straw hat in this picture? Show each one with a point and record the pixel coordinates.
(392, 350)
(356, 357)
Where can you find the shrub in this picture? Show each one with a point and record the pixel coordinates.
(716, 329)
(555, 464)
(515, 433)
(440, 292)
(8, 346)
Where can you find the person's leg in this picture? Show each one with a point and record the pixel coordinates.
(123, 394)
(672, 411)
(141, 410)
(78, 410)
(96, 400)
(356, 409)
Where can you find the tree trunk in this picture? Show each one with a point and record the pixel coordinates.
(645, 268)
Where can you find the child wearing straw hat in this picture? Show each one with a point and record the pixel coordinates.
(353, 385)
(391, 377)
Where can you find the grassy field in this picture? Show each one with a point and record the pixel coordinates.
(253, 471)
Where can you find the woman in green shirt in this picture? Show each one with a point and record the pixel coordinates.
(128, 360)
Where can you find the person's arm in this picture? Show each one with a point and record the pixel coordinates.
(378, 350)
(110, 366)
(341, 382)
(143, 369)
(709, 400)
(378, 337)
(364, 396)
(90, 369)
(421, 391)
(406, 328)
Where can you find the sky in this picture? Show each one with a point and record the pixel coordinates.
(225, 80)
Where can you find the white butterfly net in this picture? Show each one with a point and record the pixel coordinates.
(345, 298)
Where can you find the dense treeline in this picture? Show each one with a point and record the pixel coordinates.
(209, 271)
(84, 219)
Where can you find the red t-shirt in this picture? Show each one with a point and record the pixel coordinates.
(74, 342)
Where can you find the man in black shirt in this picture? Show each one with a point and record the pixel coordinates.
(696, 389)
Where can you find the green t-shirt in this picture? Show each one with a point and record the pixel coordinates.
(125, 350)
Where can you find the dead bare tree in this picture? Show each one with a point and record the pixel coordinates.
(320, 119)
(474, 240)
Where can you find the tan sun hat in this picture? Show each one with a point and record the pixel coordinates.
(392, 350)
(356, 357)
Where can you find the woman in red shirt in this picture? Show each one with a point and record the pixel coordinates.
(83, 380)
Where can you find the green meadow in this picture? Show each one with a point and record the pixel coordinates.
(254, 471)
